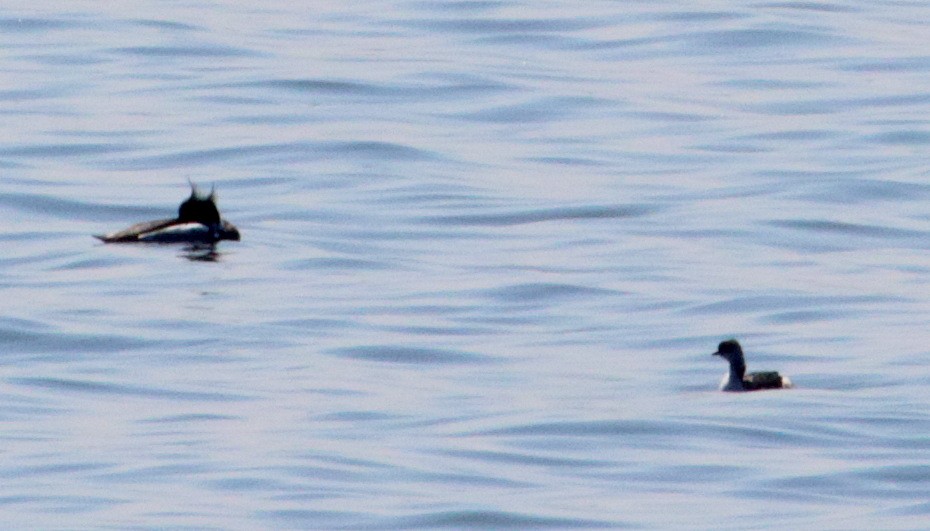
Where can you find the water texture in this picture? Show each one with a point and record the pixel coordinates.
(487, 250)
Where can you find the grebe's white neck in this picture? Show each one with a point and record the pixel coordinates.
(732, 381)
(732, 352)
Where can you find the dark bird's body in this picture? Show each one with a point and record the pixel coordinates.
(738, 379)
(198, 221)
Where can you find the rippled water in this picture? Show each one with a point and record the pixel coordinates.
(487, 250)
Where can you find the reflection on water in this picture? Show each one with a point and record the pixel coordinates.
(201, 252)
(489, 251)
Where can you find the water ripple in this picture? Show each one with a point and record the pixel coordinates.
(209, 51)
(55, 341)
(539, 110)
(270, 152)
(108, 388)
(29, 25)
(773, 302)
(761, 38)
(536, 292)
(529, 459)
(409, 92)
(416, 355)
(508, 218)
(492, 520)
(851, 229)
(507, 26)
(67, 150)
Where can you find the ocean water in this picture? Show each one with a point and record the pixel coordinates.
(487, 250)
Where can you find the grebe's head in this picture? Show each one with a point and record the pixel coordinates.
(730, 351)
(199, 208)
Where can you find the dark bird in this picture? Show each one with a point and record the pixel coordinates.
(198, 221)
(738, 380)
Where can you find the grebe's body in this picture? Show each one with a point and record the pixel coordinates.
(738, 379)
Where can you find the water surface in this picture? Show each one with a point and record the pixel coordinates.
(487, 250)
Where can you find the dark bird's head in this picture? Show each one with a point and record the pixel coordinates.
(199, 208)
(729, 348)
(732, 352)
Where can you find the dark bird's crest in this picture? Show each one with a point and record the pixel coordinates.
(199, 208)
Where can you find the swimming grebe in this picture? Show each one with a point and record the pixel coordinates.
(198, 221)
(738, 380)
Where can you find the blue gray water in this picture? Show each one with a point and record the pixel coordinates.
(487, 250)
